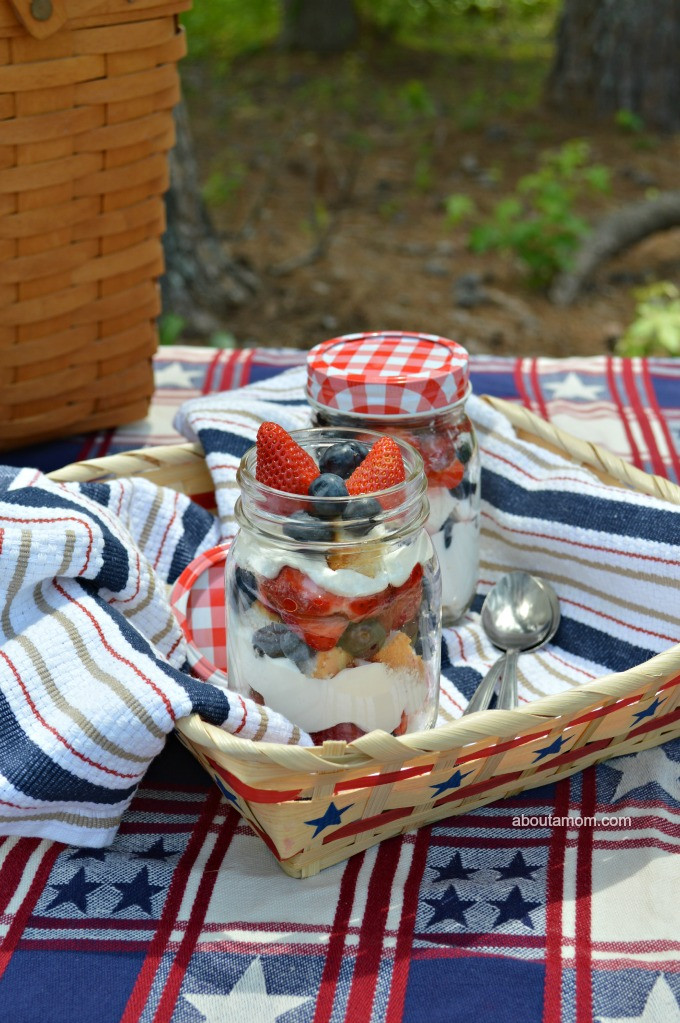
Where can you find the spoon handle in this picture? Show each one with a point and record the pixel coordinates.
(507, 694)
(481, 698)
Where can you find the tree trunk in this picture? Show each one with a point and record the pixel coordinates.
(615, 233)
(202, 281)
(614, 55)
(323, 26)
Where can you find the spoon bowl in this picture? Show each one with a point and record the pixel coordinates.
(520, 613)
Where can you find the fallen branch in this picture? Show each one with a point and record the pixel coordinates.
(614, 233)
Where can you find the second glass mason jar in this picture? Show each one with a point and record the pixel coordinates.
(335, 620)
(413, 386)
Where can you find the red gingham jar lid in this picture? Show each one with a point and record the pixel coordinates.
(393, 373)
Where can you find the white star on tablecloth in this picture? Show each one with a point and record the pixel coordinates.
(660, 1007)
(573, 387)
(248, 999)
(640, 769)
(173, 374)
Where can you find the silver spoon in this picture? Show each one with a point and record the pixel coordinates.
(507, 693)
(520, 613)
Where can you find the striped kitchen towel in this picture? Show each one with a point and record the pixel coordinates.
(612, 555)
(91, 656)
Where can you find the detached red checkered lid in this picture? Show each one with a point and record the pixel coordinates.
(387, 374)
(198, 601)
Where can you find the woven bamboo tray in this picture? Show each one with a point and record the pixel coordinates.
(87, 89)
(380, 785)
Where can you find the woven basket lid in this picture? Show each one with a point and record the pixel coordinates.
(392, 373)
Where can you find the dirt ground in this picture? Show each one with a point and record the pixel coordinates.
(328, 177)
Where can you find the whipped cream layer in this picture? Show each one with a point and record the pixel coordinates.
(393, 564)
(370, 695)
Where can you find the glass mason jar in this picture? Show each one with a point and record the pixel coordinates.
(335, 621)
(413, 387)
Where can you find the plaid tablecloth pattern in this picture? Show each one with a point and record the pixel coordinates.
(540, 908)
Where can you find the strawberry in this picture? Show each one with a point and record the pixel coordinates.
(294, 593)
(404, 601)
(346, 731)
(319, 633)
(382, 467)
(449, 477)
(311, 612)
(281, 462)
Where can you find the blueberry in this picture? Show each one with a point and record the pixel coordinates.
(328, 485)
(363, 639)
(243, 590)
(448, 531)
(342, 459)
(296, 650)
(464, 489)
(269, 639)
(360, 515)
(464, 452)
(305, 527)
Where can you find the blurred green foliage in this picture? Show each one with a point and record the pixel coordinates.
(227, 28)
(656, 327)
(538, 224)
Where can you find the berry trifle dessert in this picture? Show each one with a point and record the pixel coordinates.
(414, 387)
(333, 586)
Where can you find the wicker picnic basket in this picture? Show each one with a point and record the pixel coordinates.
(382, 786)
(87, 89)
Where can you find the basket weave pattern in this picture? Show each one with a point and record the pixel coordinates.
(317, 806)
(85, 127)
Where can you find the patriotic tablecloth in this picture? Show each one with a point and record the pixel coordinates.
(539, 908)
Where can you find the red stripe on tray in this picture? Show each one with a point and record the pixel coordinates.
(660, 419)
(199, 908)
(180, 878)
(584, 887)
(620, 408)
(336, 942)
(552, 991)
(372, 932)
(250, 793)
(409, 912)
(22, 916)
(356, 827)
(382, 779)
(641, 414)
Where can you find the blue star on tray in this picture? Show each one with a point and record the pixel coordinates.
(138, 892)
(554, 747)
(157, 851)
(451, 783)
(449, 907)
(76, 891)
(225, 791)
(454, 870)
(517, 867)
(514, 907)
(649, 712)
(331, 816)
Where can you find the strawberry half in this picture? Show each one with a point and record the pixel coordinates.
(281, 462)
(311, 612)
(449, 477)
(382, 467)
